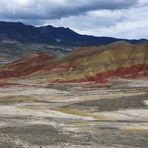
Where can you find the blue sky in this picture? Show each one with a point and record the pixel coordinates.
(116, 18)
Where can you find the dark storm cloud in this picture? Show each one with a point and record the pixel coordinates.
(49, 9)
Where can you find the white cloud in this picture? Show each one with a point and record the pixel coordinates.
(117, 18)
(143, 1)
(22, 2)
(129, 23)
(23, 9)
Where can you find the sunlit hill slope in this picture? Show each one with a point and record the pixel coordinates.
(90, 64)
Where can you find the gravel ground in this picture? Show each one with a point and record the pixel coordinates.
(74, 116)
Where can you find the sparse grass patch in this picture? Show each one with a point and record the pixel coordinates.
(79, 124)
(17, 99)
(80, 113)
(135, 130)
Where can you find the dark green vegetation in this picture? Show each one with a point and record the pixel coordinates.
(52, 35)
(12, 50)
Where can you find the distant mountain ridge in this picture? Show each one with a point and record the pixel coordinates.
(52, 35)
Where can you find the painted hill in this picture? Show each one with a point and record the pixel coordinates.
(25, 66)
(90, 64)
(118, 59)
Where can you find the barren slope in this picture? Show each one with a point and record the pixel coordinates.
(99, 64)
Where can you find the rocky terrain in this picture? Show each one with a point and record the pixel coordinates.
(62, 89)
(90, 97)
(74, 115)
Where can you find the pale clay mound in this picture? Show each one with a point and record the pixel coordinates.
(27, 111)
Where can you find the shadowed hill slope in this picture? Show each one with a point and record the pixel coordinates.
(52, 35)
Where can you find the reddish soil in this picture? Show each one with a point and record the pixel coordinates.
(132, 72)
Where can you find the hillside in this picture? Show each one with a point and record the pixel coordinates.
(18, 40)
(11, 50)
(90, 64)
(52, 35)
